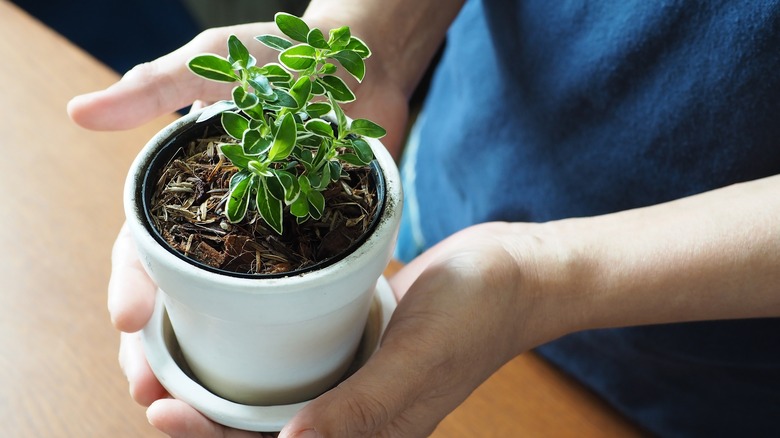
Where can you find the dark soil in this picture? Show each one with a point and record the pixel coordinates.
(187, 211)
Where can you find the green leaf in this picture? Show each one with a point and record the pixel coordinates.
(254, 143)
(317, 109)
(284, 140)
(256, 115)
(300, 207)
(362, 150)
(270, 208)
(214, 109)
(351, 159)
(317, 89)
(254, 124)
(298, 58)
(237, 52)
(339, 38)
(260, 83)
(235, 153)
(290, 185)
(274, 42)
(309, 140)
(292, 26)
(335, 86)
(335, 170)
(328, 69)
(322, 154)
(304, 184)
(234, 124)
(241, 186)
(244, 100)
(317, 202)
(324, 178)
(213, 67)
(352, 62)
(315, 179)
(367, 128)
(301, 90)
(306, 157)
(316, 39)
(341, 118)
(259, 168)
(358, 46)
(319, 127)
(284, 99)
(275, 73)
(275, 187)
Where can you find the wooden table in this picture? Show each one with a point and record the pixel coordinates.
(59, 375)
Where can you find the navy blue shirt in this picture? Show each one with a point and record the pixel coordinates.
(545, 110)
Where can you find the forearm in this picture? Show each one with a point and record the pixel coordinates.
(403, 34)
(710, 256)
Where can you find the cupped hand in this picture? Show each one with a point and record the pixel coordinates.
(466, 307)
(456, 325)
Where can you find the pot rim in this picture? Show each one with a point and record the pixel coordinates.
(383, 227)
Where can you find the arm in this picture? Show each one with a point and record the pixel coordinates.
(711, 256)
(494, 290)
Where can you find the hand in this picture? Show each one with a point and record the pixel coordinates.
(467, 306)
(464, 313)
(131, 295)
(158, 88)
(165, 85)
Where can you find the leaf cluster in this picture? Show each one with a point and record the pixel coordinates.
(286, 149)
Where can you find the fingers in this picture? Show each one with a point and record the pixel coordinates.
(456, 324)
(361, 406)
(394, 395)
(144, 387)
(404, 390)
(155, 88)
(177, 419)
(131, 292)
(198, 105)
(144, 93)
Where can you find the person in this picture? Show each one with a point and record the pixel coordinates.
(596, 180)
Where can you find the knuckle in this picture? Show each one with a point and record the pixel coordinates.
(142, 73)
(368, 414)
(211, 40)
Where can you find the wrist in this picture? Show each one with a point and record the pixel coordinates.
(403, 37)
(552, 273)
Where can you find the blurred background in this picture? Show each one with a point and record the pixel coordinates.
(122, 34)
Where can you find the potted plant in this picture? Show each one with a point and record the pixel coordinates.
(266, 221)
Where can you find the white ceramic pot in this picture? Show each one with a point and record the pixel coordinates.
(265, 341)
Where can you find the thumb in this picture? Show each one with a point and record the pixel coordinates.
(156, 88)
(369, 402)
(404, 390)
(144, 93)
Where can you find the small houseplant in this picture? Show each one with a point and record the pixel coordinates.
(268, 317)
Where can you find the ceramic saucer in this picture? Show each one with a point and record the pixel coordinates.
(165, 359)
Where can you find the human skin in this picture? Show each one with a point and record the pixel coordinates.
(484, 295)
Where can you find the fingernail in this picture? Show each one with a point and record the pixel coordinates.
(308, 433)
